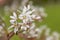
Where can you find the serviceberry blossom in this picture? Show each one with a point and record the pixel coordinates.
(23, 24)
(28, 14)
(13, 18)
(14, 22)
(31, 31)
(26, 24)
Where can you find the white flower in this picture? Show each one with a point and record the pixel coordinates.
(13, 18)
(11, 26)
(27, 14)
(37, 30)
(49, 38)
(15, 27)
(37, 18)
(32, 26)
(14, 22)
(25, 27)
(34, 33)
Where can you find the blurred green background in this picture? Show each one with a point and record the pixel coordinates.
(52, 8)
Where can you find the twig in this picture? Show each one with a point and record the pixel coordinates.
(10, 35)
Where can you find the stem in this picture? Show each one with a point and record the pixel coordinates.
(10, 35)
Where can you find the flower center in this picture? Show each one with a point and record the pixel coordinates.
(24, 17)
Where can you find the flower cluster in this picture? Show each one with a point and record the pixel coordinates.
(22, 22)
(27, 25)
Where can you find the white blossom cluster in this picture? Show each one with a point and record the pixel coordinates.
(24, 23)
(27, 26)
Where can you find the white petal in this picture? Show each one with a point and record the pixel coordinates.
(15, 30)
(14, 14)
(32, 27)
(30, 12)
(23, 28)
(20, 23)
(33, 16)
(12, 21)
(31, 19)
(28, 7)
(32, 32)
(19, 11)
(24, 9)
(27, 26)
(29, 36)
(12, 17)
(24, 32)
(11, 27)
(38, 17)
(20, 16)
(25, 20)
(37, 30)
